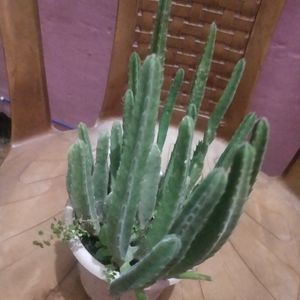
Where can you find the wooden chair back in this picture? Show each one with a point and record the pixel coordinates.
(245, 29)
(20, 33)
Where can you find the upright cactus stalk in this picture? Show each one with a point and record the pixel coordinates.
(127, 193)
(199, 85)
(159, 38)
(165, 119)
(172, 191)
(152, 225)
(214, 122)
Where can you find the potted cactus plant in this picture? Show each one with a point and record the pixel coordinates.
(142, 225)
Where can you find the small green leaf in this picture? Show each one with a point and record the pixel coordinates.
(140, 295)
(194, 276)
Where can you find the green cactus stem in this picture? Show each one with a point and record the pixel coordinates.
(101, 174)
(84, 136)
(165, 118)
(226, 214)
(214, 121)
(239, 137)
(198, 209)
(134, 72)
(159, 38)
(80, 184)
(138, 142)
(149, 268)
(115, 149)
(149, 187)
(259, 140)
(127, 114)
(203, 69)
(172, 190)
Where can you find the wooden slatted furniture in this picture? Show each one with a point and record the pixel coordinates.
(244, 30)
(260, 262)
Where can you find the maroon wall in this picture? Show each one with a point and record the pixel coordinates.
(77, 40)
(277, 93)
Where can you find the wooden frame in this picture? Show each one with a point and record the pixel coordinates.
(268, 14)
(21, 37)
(257, 48)
(122, 48)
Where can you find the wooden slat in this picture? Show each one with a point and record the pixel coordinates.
(256, 50)
(21, 37)
(244, 30)
(123, 40)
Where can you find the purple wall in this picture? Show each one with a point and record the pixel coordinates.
(77, 40)
(277, 93)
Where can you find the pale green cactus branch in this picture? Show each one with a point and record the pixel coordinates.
(80, 184)
(138, 142)
(159, 38)
(149, 268)
(203, 69)
(115, 149)
(225, 215)
(134, 72)
(240, 136)
(214, 122)
(198, 209)
(84, 136)
(172, 190)
(165, 118)
(127, 114)
(101, 174)
(149, 187)
(224, 102)
(259, 142)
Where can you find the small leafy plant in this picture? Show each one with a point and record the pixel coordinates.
(146, 226)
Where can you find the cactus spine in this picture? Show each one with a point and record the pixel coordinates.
(159, 226)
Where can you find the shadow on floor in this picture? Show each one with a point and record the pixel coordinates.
(69, 287)
(5, 134)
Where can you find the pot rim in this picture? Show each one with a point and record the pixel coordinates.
(84, 257)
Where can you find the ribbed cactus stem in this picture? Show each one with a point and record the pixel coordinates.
(203, 69)
(225, 215)
(115, 149)
(138, 142)
(149, 187)
(172, 190)
(159, 38)
(127, 114)
(240, 136)
(259, 140)
(198, 209)
(101, 174)
(83, 135)
(168, 108)
(80, 184)
(134, 72)
(149, 268)
(214, 122)
(192, 111)
(224, 102)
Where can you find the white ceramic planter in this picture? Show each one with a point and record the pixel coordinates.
(92, 272)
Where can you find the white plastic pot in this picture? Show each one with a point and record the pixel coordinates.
(92, 272)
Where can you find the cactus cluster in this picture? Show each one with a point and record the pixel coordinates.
(150, 225)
